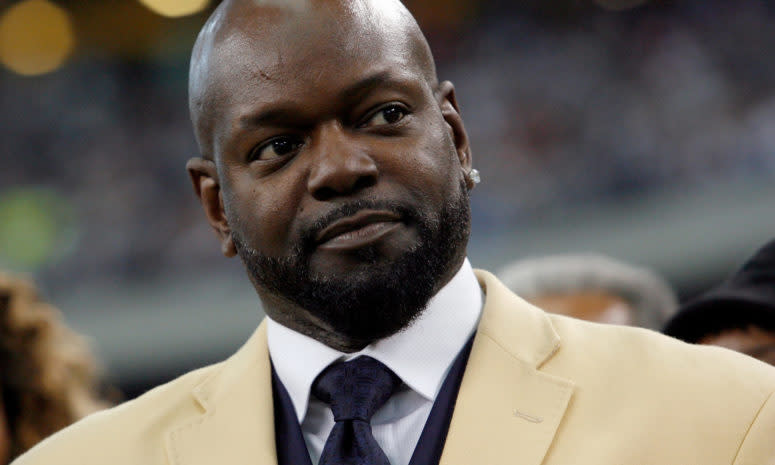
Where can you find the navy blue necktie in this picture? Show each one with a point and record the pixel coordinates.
(354, 390)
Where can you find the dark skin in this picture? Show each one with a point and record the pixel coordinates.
(753, 341)
(301, 110)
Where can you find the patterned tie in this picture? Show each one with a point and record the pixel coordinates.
(354, 390)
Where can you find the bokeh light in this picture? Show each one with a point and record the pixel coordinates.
(36, 37)
(36, 227)
(176, 8)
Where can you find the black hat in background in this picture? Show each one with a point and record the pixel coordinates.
(746, 298)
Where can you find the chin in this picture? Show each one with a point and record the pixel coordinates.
(369, 292)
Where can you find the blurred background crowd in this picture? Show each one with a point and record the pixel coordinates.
(642, 130)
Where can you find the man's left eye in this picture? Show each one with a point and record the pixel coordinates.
(390, 114)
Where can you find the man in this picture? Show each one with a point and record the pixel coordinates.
(337, 167)
(592, 287)
(739, 314)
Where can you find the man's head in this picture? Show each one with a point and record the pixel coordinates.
(592, 287)
(333, 161)
(739, 314)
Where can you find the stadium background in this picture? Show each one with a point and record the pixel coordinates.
(643, 130)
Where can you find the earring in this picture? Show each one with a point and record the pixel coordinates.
(474, 175)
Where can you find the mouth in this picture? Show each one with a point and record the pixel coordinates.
(358, 230)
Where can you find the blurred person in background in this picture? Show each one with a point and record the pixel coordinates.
(335, 164)
(592, 287)
(739, 314)
(48, 377)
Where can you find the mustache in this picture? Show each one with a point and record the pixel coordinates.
(311, 231)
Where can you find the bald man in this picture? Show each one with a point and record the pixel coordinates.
(337, 167)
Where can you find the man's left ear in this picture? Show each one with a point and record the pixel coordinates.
(445, 95)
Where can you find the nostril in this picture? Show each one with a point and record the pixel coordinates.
(364, 182)
(324, 193)
(340, 171)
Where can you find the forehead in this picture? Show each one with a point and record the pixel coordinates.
(279, 53)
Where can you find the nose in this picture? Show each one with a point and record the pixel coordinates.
(340, 166)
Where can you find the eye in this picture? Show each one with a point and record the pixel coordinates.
(276, 147)
(389, 114)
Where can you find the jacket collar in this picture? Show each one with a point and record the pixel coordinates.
(506, 410)
(521, 329)
(237, 423)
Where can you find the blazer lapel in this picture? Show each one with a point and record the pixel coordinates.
(507, 410)
(236, 426)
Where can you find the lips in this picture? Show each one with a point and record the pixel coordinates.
(357, 230)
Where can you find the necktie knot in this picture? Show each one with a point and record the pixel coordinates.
(355, 390)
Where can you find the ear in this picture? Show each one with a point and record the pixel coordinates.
(204, 177)
(445, 95)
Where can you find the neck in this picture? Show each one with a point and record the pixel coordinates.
(285, 312)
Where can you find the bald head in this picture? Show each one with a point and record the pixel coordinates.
(309, 112)
(258, 39)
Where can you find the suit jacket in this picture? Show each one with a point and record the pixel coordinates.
(538, 389)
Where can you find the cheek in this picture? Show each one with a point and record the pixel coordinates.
(434, 168)
(262, 212)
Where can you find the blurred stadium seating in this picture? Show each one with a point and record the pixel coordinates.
(643, 133)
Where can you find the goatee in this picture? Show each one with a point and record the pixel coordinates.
(381, 297)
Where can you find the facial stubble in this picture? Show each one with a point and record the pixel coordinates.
(381, 297)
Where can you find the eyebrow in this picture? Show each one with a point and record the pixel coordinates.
(287, 114)
(368, 83)
(279, 116)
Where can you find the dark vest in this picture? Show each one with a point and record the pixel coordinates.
(291, 449)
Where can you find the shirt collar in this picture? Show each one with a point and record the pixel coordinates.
(420, 354)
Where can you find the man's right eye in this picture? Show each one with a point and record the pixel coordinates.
(277, 147)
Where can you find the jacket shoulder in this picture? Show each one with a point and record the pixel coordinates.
(644, 354)
(132, 432)
(719, 402)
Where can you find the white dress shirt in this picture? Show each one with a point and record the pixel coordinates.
(420, 355)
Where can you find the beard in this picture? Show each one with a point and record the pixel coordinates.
(380, 297)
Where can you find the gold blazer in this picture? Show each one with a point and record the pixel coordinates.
(538, 389)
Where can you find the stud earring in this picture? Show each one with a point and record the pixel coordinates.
(474, 175)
